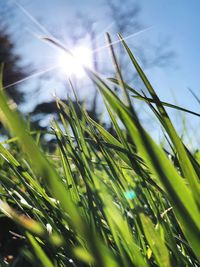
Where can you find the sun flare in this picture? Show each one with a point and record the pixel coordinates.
(74, 65)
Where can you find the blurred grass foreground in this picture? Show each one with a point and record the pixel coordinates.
(100, 199)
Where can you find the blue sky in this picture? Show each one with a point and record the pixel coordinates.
(177, 20)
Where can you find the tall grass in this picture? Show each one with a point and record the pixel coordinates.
(100, 199)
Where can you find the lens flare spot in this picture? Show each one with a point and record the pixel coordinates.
(130, 194)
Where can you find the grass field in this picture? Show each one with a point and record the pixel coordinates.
(100, 199)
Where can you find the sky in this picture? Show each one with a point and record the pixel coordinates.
(174, 20)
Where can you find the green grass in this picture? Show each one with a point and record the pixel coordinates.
(100, 199)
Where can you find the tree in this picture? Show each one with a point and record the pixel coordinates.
(13, 70)
(127, 21)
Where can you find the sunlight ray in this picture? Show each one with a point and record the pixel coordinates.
(33, 19)
(119, 41)
(54, 40)
(68, 51)
(93, 51)
(105, 30)
(36, 74)
(38, 24)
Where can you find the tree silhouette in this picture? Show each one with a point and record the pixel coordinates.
(13, 71)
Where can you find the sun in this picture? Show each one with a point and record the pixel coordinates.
(74, 65)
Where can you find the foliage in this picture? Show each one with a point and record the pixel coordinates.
(99, 199)
(13, 72)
